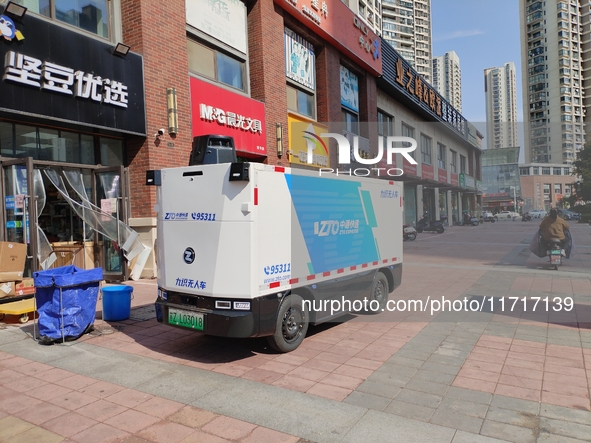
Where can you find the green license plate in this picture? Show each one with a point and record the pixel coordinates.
(556, 252)
(186, 319)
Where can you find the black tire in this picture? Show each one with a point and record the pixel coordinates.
(440, 229)
(411, 237)
(379, 292)
(419, 230)
(291, 324)
(492, 220)
(2, 315)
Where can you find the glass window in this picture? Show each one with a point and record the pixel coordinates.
(351, 121)
(6, 145)
(462, 164)
(87, 150)
(523, 171)
(408, 131)
(454, 162)
(557, 171)
(545, 171)
(425, 149)
(566, 171)
(111, 152)
(201, 59)
(536, 171)
(300, 101)
(89, 15)
(230, 71)
(441, 164)
(215, 65)
(385, 124)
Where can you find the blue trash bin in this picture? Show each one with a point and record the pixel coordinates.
(66, 301)
(117, 302)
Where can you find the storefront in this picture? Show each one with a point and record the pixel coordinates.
(67, 107)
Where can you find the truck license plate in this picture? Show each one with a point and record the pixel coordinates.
(186, 319)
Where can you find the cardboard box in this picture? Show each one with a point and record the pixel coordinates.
(7, 289)
(12, 257)
(14, 289)
(25, 283)
(11, 276)
(26, 291)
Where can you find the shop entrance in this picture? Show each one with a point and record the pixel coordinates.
(55, 209)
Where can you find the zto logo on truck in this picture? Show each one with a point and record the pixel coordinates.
(189, 256)
(344, 153)
(325, 228)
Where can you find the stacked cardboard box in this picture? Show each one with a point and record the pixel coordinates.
(12, 265)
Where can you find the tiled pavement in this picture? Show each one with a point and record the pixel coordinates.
(516, 376)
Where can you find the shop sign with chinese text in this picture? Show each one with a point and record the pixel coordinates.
(336, 23)
(217, 110)
(55, 73)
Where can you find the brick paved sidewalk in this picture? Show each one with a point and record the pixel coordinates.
(43, 404)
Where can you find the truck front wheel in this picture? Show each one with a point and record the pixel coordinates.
(291, 326)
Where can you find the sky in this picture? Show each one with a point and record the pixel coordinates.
(484, 34)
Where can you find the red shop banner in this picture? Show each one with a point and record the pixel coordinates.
(215, 110)
(409, 169)
(453, 179)
(427, 172)
(441, 175)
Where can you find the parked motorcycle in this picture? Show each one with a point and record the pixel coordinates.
(409, 232)
(526, 217)
(468, 220)
(425, 225)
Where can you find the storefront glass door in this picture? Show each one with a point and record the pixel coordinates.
(111, 198)
(17, 209)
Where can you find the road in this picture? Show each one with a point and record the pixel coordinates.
(512, 373)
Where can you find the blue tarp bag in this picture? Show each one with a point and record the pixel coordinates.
(79, 294)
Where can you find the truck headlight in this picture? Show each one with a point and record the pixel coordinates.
(221, 304)
(162, 294)
(242, 305)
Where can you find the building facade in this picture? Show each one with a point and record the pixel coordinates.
(544, 185)
(446, 181)
(406, 25)
(370, 11)
(501, 188)
(500, 91)
(552, 78)
(447, 78)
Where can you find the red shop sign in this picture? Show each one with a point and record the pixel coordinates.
(427, 172)
(441, 175)
(215, 110)
(454, 179)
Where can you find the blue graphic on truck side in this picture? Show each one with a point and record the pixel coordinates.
(333, 216)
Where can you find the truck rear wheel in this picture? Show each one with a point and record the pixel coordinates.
(291, 326)
(379, 293)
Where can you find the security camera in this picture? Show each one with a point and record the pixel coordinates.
(161, 132)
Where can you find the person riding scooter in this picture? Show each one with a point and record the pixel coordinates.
(554, 227)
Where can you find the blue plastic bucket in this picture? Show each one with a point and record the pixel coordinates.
(117, 302)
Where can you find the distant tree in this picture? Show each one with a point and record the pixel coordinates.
(582, 170)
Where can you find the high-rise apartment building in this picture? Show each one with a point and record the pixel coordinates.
(552, 76)
(370, 11)
(500, 90)
(406, 25)
(447, 78)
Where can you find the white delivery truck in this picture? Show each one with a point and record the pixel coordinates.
(253, 250)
